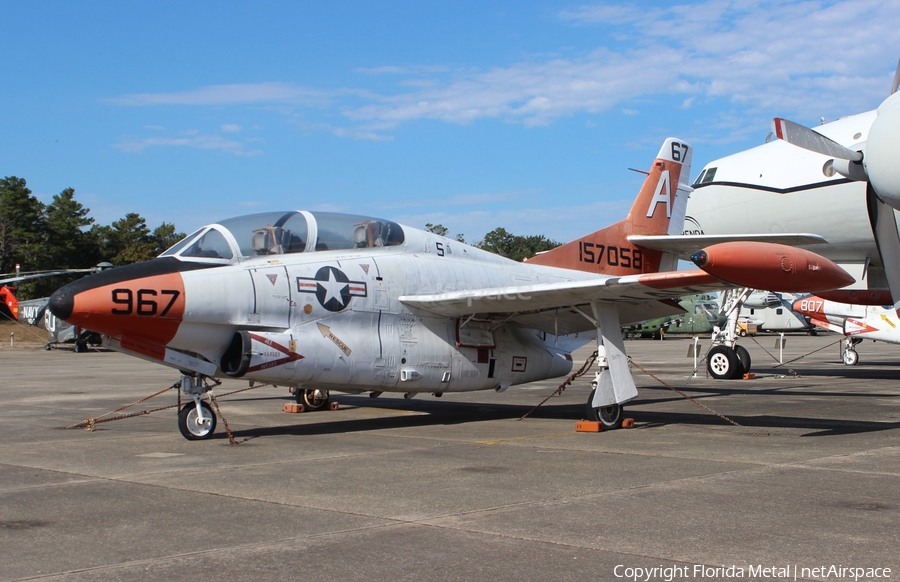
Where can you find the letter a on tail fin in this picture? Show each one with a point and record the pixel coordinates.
(658, 209)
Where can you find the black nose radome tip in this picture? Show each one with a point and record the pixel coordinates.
(62, 303)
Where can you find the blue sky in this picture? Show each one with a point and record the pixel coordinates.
(475, 115)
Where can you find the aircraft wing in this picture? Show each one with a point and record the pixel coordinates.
(560, 308)
(684, 245)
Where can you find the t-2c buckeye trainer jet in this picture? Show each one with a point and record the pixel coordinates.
(321, 301)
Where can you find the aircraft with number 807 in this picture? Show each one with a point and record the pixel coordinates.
(327, 302)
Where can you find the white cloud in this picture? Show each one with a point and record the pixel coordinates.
(191, 139)
(804, 60)
(232, 94)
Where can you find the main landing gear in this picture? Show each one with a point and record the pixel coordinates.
(610, 416)
(311, 398)
(726, 363)
(196, 420)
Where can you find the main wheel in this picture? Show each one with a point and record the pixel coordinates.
(743, 357)
(190, 426)
(851, 357)
(721, 361)
(314, 398)
(609, 416)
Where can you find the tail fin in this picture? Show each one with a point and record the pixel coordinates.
(658, 209)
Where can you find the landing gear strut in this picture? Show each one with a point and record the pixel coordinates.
(727, 360)
(196, 420)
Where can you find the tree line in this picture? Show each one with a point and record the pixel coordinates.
(506, 244)
(62, 235)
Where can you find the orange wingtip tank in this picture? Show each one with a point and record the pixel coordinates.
(771, 266)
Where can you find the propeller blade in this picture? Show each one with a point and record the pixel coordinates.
(887, 239)
(803, 137)
(896, 82)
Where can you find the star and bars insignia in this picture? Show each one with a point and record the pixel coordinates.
(332, 288)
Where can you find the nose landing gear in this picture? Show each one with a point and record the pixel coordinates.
(196, 420)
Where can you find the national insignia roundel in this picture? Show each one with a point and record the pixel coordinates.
(332, 288)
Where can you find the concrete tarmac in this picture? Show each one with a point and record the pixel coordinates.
(458, 488)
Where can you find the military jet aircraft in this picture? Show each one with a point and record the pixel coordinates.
(854, 322)
(321, 301)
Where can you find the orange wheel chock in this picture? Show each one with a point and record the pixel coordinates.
(333, 406)
(628, 423)
(588, 426)
(294, 408)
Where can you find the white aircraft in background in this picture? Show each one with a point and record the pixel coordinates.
(873, 164)
(322, 301)
(772, 312)
(855, 322)
(776, 187)
(842, 182)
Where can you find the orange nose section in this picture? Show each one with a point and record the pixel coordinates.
(149, 308)
(137, 301)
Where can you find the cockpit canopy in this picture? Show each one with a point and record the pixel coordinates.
(277, 233)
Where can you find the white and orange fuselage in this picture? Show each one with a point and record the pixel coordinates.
(355, 303)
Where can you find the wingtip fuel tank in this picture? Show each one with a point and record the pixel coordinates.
(771, 266)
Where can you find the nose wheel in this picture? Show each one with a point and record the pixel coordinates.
(192, 425)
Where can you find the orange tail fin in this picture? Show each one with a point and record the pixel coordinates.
(658, 209)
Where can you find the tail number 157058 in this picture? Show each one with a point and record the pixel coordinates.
(598, 254)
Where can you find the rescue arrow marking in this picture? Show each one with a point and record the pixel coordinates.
(326, 333)
(888, 321)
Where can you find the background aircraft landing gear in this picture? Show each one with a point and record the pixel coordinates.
(727, 360)
(850, 355)
(744, 358)
(723, 363)
(609, 416)
(311, 398)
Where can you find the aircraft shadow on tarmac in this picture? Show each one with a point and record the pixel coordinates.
(433, 413)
